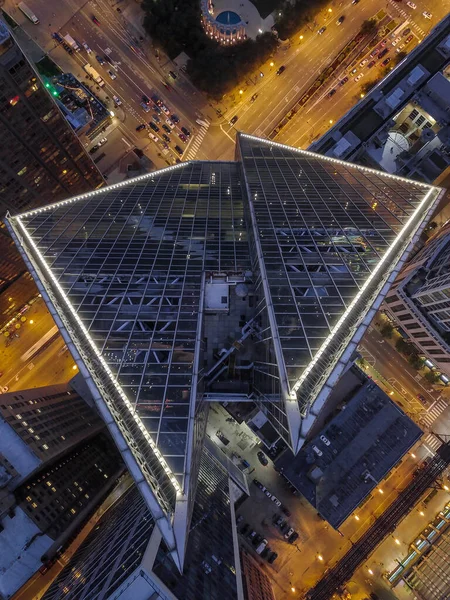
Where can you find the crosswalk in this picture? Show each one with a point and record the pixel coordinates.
(407, 17)
(196, 142)
(434, 412)
(431, 443)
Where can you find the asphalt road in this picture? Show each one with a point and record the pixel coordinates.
(20, 370)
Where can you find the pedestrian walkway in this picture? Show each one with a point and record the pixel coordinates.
(407, 17)
(196, 142)
(431, 443)
(437, 408)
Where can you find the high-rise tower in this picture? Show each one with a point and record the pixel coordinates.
(41, 158)
(128, 273)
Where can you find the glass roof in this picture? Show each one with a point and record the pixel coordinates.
(323, 226)
(131, 261)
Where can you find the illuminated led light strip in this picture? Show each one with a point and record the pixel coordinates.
(389, 251)
(333, 332)
(340, 162)
(102, 190)
(100, 357)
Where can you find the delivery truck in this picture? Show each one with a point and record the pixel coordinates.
(72, 43)
(28, 12)
(93, 73)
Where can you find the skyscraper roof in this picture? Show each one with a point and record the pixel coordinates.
(123, 271)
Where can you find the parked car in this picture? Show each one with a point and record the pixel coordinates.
(140, 127)
(331, 93)
(422, 399)
(284, 527)
(343, 81)
(409, 39)
(153, 137)
(265, 553)
(96, 21)
(374, 52)
(166, 128)
(117, 100)
(233, 120)
(322, 30)
(145, 107)
(251, 534)
(154, 127)
(179, 150)
(317, 451)
(371, 64)
(165, 137)
(262, 458)
(358, 77)
(353, 71)
(275, 499)
(427, 15)
(289, 532)
(186, 132)
(268, 493)
(386, 61)
(383, 53)
(156, 119)
(285, 510)
(245, 528)
(396, 41)
(253, 98)
(170, 124)
(293, 537)
(363, 62)
(112, 74)
(411, 5)
(102, 142)
(406, 31)
(174, 119)
(281, 70)
(272, 558)
(257, 539)
(86, 47)
(94, 149)
(164, 108)
(182, 137)
(100, 60)
(325, 440)
(172, 74)
(258, 484)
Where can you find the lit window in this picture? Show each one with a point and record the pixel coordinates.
(18, 416)
(22, 171)
(73, 511)
(45, 446)
(49, 483)
(34, 505)
(53, 489)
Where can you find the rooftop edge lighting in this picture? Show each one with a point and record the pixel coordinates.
(127, 403)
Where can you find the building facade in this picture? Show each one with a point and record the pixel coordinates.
(41, 160)
(124, 556)
(419, 301)
(403, 125)
(256, 583)
(56, 463)
(133, 272)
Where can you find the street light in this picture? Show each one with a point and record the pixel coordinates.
(331, 121)
(330, 10)
(74, 367)
(370, 571)
(356, 517)
(380, 490)
(292, 589)
(271, 63)
(301, 37)
(397, 541)
(241, 92)
(31, 321)
(320, 557)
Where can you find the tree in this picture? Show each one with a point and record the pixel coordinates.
(432, 376)
(399, 57)
(405, 347)
(387, 330)
(416, 361)
(367, 86)
(369, 26)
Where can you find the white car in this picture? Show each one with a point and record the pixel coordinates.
(112, 75)
(289, 532)
(145, 107)
(102, 142)
(275, 499)
(86, 47)
(153, 137)
(427, 15)
(411, 5)
(359, 76)
(363, 62)
(164, 108)
(268, 494)
(325, 440)
(117, 100)
(396, 41)
(170, 124)
(317, 451)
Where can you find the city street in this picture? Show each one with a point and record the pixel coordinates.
(21, 367)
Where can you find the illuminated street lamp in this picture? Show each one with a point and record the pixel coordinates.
(380, 490)
(292, 589)
(330, 121)
(271, 63)
(397, 541)
(356, 517)
(31, 321)
(74, 367)
(370, 571)
(241, 92)
(446, 488)
(421, 513)
(330, 10)
(320, 557)
(301, 37)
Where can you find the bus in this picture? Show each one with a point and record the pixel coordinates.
(28, 13)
